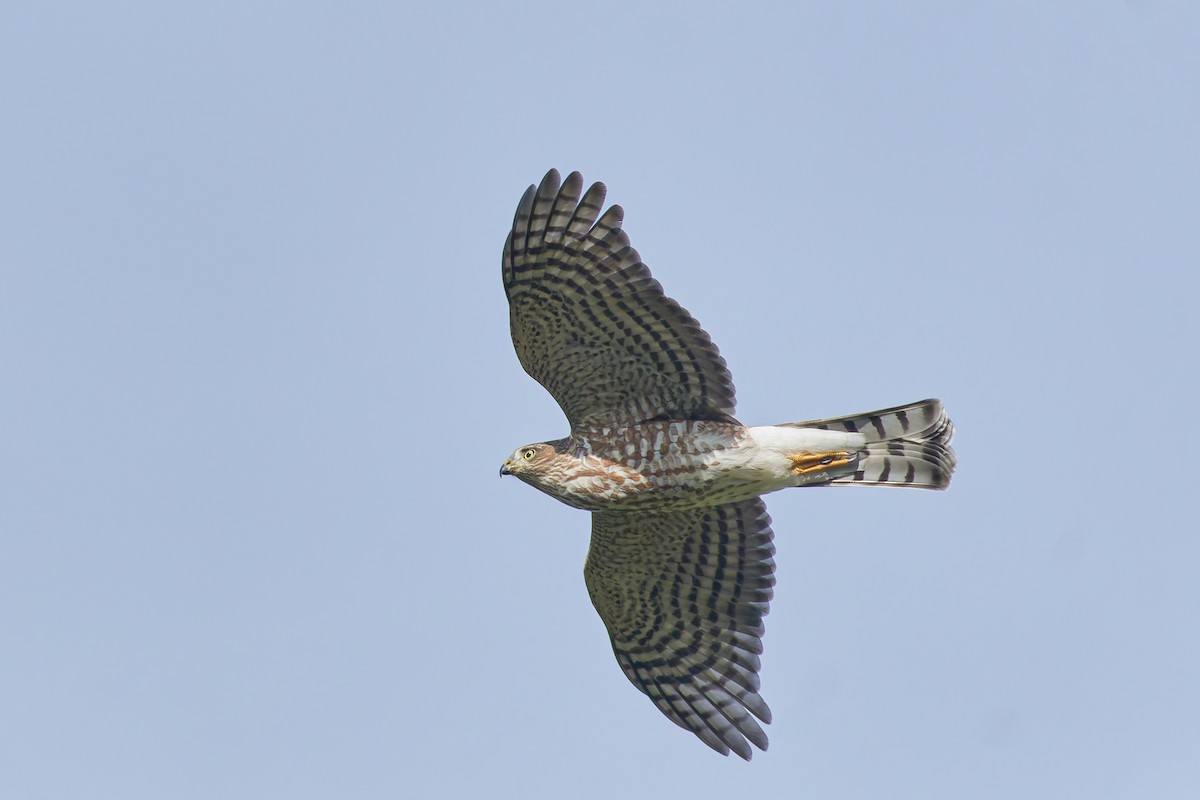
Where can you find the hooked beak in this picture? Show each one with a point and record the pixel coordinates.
(505, 468)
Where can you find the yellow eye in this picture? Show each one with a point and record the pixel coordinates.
(528, 454)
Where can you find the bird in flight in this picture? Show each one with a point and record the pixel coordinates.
(680, 565)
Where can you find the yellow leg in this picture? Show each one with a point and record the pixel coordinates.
(804, 463)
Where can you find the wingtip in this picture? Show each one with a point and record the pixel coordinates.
(575, 179)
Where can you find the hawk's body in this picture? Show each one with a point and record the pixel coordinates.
(667, 465)
(680, 566)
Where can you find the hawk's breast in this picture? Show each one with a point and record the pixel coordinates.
(656, 465)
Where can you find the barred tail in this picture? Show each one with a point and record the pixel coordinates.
(906, 446)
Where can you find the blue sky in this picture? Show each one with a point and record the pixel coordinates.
(257, 383)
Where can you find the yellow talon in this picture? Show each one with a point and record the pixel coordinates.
(804, 463)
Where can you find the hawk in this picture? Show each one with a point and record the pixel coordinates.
(680, 565)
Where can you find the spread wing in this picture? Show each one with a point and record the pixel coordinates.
(592, 325)
(683, 595)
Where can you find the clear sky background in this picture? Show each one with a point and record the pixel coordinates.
(256, 383)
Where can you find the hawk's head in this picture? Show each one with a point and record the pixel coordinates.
(565, 470)
(530, 463)
(550, 467)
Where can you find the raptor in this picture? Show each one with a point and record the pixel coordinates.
(680, 565)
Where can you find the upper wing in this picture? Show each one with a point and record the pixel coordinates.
(591, 325)
(683, 595)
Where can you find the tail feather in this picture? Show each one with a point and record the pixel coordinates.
(906, 446)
